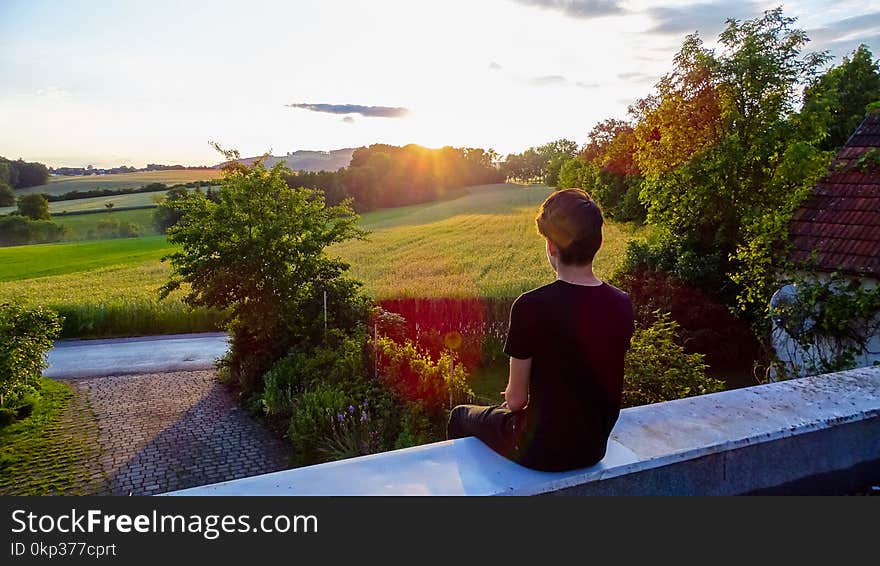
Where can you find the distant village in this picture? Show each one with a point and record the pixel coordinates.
(89, 170)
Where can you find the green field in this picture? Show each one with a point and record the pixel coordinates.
(60, 185)
(79, 225)
(482, 244)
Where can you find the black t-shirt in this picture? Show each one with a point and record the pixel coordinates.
(577, 337)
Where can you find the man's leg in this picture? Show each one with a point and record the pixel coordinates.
(492, 425)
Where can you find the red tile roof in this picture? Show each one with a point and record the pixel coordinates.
(840, 221)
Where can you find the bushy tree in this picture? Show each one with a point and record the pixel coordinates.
(7, 195)
(34, 206)
(839, 97)
(258, 253)
(26, 334)
(724, 159)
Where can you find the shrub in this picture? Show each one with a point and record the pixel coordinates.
(34, 206)
(297, 372)
(658, 368)
(113, 228)
(16, 230)
(706, 325)
(26, 335)
(312, 420)
(428, 387)
(257, 252)
(7, 195)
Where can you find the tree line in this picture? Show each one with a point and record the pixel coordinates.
(19, 174)
(381, 175)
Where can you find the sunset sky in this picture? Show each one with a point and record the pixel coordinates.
(127, 83)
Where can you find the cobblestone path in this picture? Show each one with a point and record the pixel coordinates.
(147, 434)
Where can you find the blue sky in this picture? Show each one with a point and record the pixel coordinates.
(118, 82)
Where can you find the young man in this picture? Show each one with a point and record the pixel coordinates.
(566, 342)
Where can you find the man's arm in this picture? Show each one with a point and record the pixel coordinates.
(517, 392)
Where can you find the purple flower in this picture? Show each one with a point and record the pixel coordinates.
(351, 409)
(340, 417)
(364, 417)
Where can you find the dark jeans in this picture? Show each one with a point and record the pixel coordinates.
(499, 427)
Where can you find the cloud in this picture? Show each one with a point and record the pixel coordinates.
(580, 9)
(348, 120)
(580, 84)
(636, 77)
(52, 92)
(846, 32)
(368, 111)
(495, 66)
(547, 80)
(709, 18)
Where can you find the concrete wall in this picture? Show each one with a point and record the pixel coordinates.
(811, 435)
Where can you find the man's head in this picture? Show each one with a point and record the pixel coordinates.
(572, 223)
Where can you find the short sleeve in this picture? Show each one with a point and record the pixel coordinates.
(520, 341)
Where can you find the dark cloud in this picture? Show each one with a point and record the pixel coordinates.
(709, 18)
(495, 66)
(369, 111)
(581, 9)
(547, 80)
(587, 85)
(842, 36)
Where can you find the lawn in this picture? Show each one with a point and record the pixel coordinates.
(53, 451)
(60, 185)
(29, 263)
(482, 244)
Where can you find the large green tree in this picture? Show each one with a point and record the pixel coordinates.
(839, 97)
(34, 206)
(721, 182)
(257, 252)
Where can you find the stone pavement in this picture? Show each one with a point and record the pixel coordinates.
(160, 432)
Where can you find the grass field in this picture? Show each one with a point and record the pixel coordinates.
(79, 225)
(483, 244)
(99, 203)
(60, 185)
(480, 245)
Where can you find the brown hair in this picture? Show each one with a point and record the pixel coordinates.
(573, 222)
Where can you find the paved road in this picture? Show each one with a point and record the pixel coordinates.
(71, 359)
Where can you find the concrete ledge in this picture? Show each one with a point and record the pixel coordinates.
(741, 441)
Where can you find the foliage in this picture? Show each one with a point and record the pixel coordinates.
(429, 386)
(34, 206)
(18, 230)
(658, 369)
(838, 99)
(7, 195)
(725, 160)
(26, 334)
(831, 321)
(257, 253)
(312, 421)
(114, 228)
(21, 174)
(607, 170)
(167, 214)
(340, 362)
(706, 325)
(542, 163)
